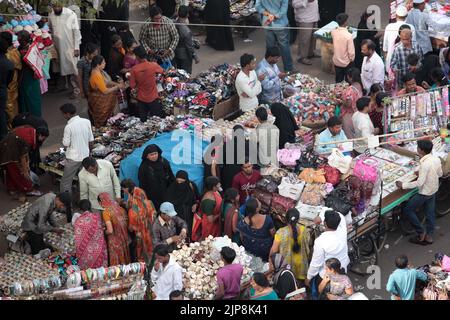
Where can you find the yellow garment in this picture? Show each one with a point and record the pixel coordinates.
(310, 176)
(297, 261)
(12, 106)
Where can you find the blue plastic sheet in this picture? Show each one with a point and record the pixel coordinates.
(179, 147)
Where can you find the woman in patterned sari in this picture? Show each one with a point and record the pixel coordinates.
(115, 220)
(102, 96)
(349, 97)
(140, 219)
(90, 241)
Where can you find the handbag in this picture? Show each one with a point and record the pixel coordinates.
(338, 200)
(337, 160)
(267, 184)
(281, 204)
(366, 169)
(265, 198)
(354, 190)
(446, 263)
(313, 194)
(291, 190)
(297, 294)
(289, 157)
(310, 175)
(309, 159)
(429, 293)
(332, 175)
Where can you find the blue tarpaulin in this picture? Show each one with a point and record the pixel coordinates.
(179, 147)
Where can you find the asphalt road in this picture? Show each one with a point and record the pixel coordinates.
(395, 243)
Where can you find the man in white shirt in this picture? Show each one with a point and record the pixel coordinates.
(430, 171)
(372, 70)
(391, 34)
(77, 140)
(267, 138)
(167, 274)
(362, 124)
(330, 244)
(248, 84)
(98, 176)
(307, 17)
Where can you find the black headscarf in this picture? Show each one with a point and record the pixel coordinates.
(157, 165)
(285, 122)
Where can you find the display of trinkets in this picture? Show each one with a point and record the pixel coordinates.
(21, 274)
(201, 261)
(11, 222)
(62, 242)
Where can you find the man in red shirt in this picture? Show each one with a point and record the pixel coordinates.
(143, 80)
(245, 181)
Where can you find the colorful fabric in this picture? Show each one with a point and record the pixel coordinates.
(297, 261)
(272, 295)
(140, 216)
(90, 241)
(12, 106)
(118, 249)
(29, 92)
(15, 180)
(230, 216)
(209, 228)
(352, 94)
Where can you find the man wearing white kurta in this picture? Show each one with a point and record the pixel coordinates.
(362, 124)
(372, 71)
(248, 84)
(67, 39)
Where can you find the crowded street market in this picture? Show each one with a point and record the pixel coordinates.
(247, 180)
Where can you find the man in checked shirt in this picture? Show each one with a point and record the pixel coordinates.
(159, 33)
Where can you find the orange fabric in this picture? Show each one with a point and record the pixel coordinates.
(97, 81)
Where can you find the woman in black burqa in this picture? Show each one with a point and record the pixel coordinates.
(285, 122)
(184, 196)
(218, 12)
(155, 174)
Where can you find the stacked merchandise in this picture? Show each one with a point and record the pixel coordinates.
(201, 261)
(315, 103)
(437, 286)
(11, 222)
(117, 140)
(21, 274)
(64, 242)
(409, 112)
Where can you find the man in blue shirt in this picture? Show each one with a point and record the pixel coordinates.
(274, 15)
(402, 282)
(333, 133)
(422, 21)
(271, 85)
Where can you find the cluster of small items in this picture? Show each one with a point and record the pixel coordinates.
(197, 95)
(316, 103)
(201, 261)
(11, 223)
(64, 242)
(117, 140)
(21, 274)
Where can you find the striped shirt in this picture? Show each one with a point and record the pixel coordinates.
(165, 37)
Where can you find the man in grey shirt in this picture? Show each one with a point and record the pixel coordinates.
(40, 219)
(168, 228)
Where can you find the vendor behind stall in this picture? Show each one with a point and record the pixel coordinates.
(271, 85)
(430, 171)
(39, 218)
(245, 181)
(167, 274)
(168, 228)
(333, 133)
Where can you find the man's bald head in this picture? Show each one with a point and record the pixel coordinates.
(406, 37)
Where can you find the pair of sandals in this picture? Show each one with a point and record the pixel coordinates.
(418, 240)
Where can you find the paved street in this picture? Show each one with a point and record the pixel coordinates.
(395, 243)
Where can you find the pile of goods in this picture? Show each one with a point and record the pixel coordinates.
(11, 223)
(437, 286)
(117, 140)
(198, 95)
(21, 274)
(201, 261)
(315, 105)
(64, 242)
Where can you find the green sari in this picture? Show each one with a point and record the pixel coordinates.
(29, 92)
